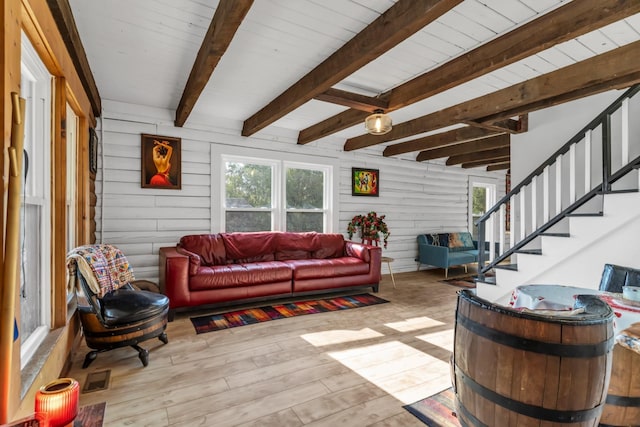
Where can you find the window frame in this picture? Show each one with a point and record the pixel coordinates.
(273, 209)
(71, 197)
(325, 196)
(37, 191)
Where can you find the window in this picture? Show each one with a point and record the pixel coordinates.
(248, 196)
(305, 199)
(482, 197)
(262, 195)
(35, 212)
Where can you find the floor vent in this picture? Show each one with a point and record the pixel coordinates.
(97, 381)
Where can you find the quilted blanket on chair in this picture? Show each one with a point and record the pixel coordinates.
(104, 267)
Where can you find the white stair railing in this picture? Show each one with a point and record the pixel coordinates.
(564, 181)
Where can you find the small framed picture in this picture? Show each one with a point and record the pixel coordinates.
(161, 162)
(365, 182)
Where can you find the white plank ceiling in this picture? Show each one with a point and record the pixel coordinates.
(142, 51)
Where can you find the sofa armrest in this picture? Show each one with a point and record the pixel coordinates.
(367, 253)
(174, 276)
(357, 250)
(194, 260)
(438, 256)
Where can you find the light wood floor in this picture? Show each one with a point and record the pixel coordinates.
(350, 368)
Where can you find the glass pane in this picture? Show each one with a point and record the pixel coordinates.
(30, 284)
(305, 189)
(247, 186)
(479, 207)
(305, 221)
(247, 221)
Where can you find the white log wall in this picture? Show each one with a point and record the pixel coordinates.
(416, 197)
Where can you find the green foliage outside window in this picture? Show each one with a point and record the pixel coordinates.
(479, 200)
(248, 185)
(305, 189)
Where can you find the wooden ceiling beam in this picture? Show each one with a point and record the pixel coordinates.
(340, 121)
(475, 164)
(62, 15)
(225, 22)
(398, 23)
(565, 23)
(353, 100)
(443, 139)
(489, 143)
(498, 166)
(615, 69)
(478, 155)
(508, 125)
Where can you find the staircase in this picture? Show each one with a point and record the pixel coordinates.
(577, 211)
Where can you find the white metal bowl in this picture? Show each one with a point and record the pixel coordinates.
(631, 292)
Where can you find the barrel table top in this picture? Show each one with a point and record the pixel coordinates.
(561, 298)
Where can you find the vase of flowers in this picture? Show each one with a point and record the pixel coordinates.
(369, 226)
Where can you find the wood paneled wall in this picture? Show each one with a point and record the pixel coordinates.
(416, 197)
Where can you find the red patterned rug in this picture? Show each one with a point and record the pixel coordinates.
(436, 411)
(232, 319)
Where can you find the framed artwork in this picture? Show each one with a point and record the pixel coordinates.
(365, 182)
(161, 162)
(93, 151)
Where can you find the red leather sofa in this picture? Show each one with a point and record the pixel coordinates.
(211, 269)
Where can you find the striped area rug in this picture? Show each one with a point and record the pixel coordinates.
(233, 319)
(436, 410)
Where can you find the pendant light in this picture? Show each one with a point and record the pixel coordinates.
(378, 123)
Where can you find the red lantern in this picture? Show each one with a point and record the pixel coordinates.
(58, 401)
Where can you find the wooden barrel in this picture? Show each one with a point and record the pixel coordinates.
(513, 368)
(622, 407)
(98, 337)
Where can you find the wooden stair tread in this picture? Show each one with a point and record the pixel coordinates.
(585, 214)
(556, 234)
(512, 267)
(626, 190)
(488, 280)
(529, 251)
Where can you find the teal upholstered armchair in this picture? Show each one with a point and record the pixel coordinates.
(446, 249)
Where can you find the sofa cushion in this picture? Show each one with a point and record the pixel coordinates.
(231, 275)
(328, 245)
(291, 254)
(290, 241)
(437, 239)
(461, 241)
(124, 306)
(245, 248)
(209, 247)
(458, 258)
(327, 268)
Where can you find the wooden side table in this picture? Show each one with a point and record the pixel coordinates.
(389, 260)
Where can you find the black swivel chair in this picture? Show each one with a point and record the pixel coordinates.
(614, 277)
(120, 316)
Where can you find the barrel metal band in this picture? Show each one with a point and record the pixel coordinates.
(467, 416)
(535, 412)
(629, 401)
(526, 344)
